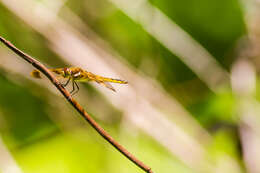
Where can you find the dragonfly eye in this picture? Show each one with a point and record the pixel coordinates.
(66, 72)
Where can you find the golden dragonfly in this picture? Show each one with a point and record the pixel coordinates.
(76, 74)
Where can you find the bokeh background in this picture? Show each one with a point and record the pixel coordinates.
(191, 106)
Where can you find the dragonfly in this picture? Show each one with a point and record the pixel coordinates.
(76, 74)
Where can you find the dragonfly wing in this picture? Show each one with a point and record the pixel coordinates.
(108, 85)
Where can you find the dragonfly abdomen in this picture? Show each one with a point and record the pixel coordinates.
(114, 80)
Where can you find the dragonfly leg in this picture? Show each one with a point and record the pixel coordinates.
(73, 90)
(77, 87)
(67, 82)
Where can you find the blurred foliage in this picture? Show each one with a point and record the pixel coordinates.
(216, 24)
(216, 108)
(17, 114)
(40, 145)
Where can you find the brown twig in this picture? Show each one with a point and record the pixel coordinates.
(76, 105)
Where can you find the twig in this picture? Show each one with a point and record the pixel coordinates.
(76, 105)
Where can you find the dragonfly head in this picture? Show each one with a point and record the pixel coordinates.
(66, 72)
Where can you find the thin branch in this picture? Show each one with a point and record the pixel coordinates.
(76, 105)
